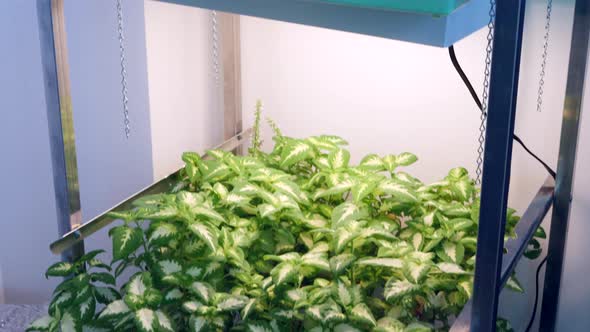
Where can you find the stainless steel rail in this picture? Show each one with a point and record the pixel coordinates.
(77, 235)
(529, 222)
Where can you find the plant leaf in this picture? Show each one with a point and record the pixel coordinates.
(146, 320)
(397, 289)
(41, 324)
(294, 153)
(339, 158)
(382, 262)
(103, 277)
(362, 314)
(206, 234)
(61, 269)
(126, 240)
(115, 309)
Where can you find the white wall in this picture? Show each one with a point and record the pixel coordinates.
(389, 97)
(184, 98)
(26, 199)
(110, 167)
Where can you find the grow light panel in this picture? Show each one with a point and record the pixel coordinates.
(429, 22)
(433, 7)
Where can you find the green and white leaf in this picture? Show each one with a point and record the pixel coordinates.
(514, 285)
(126, 240)
(451, 268)
(206, 234)
(146, 320)
(393, 263)
(339, 158)
(399, 191)
(115, 309)
(361, 313)
(41, 324)
(203, 290)
(61, 269)
(340, 263)
(169, 266)
(294, 153)
(398, 289)
(164, 322)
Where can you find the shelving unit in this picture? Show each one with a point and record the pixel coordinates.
(492, 267)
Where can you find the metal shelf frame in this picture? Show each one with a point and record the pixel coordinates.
(493, 267)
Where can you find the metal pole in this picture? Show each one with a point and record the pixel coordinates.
(566, 164)
(54, 57)
(497, 162)
(230, 51)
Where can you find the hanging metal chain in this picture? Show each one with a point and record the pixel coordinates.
(215, 46)
(544, 56)
(123, 69)
(485, 94)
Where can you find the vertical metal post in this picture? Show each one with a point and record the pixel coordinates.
(230, 50)
(54, 57)
(497, 162)
(566, 164)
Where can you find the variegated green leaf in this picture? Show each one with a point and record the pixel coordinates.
(362, 314)
(418, 327)
(106, 295)
(103, 277)
(390, 162)
(451, 268)
(126, 240)
(61, 269)
(339, 158)
(405, 159)
(362, 189)
(233, 302)
(452, 252)
(342, 238)
(87, 309)
(169, 266)
(267, 210)
(397, 289)
(416, 273)
(258, 327)
(340, 263)
(162, 234)
(337, 189)
(115, 309)
(294, 153)
(316, 260)
(164, 322)
(206, 234)
(146, 320)
(198, 324)
(372, 162)
(203, 290)
(393, 263)
(514, 285)
(70, 323)
(139, 284)
(292, 190)
(208, 213)
(248, 309)
(284, 272)
(346, 212)
(399, 191)
(346, 328)
(41, 324)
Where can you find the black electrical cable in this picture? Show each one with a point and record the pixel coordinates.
(532, 320)
(479, 105)
(517, 139)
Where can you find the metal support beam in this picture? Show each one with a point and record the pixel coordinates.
(515, 247)
(566, 164)
(230, 51)
(165, 185)
(497, 162)
(54, 57)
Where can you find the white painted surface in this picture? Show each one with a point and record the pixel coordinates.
(184, 99)
(110, 167)
(388, 97)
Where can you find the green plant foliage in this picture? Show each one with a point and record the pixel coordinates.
(296, 239)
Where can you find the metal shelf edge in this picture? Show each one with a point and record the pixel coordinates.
(528, 224)
(103, 220)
